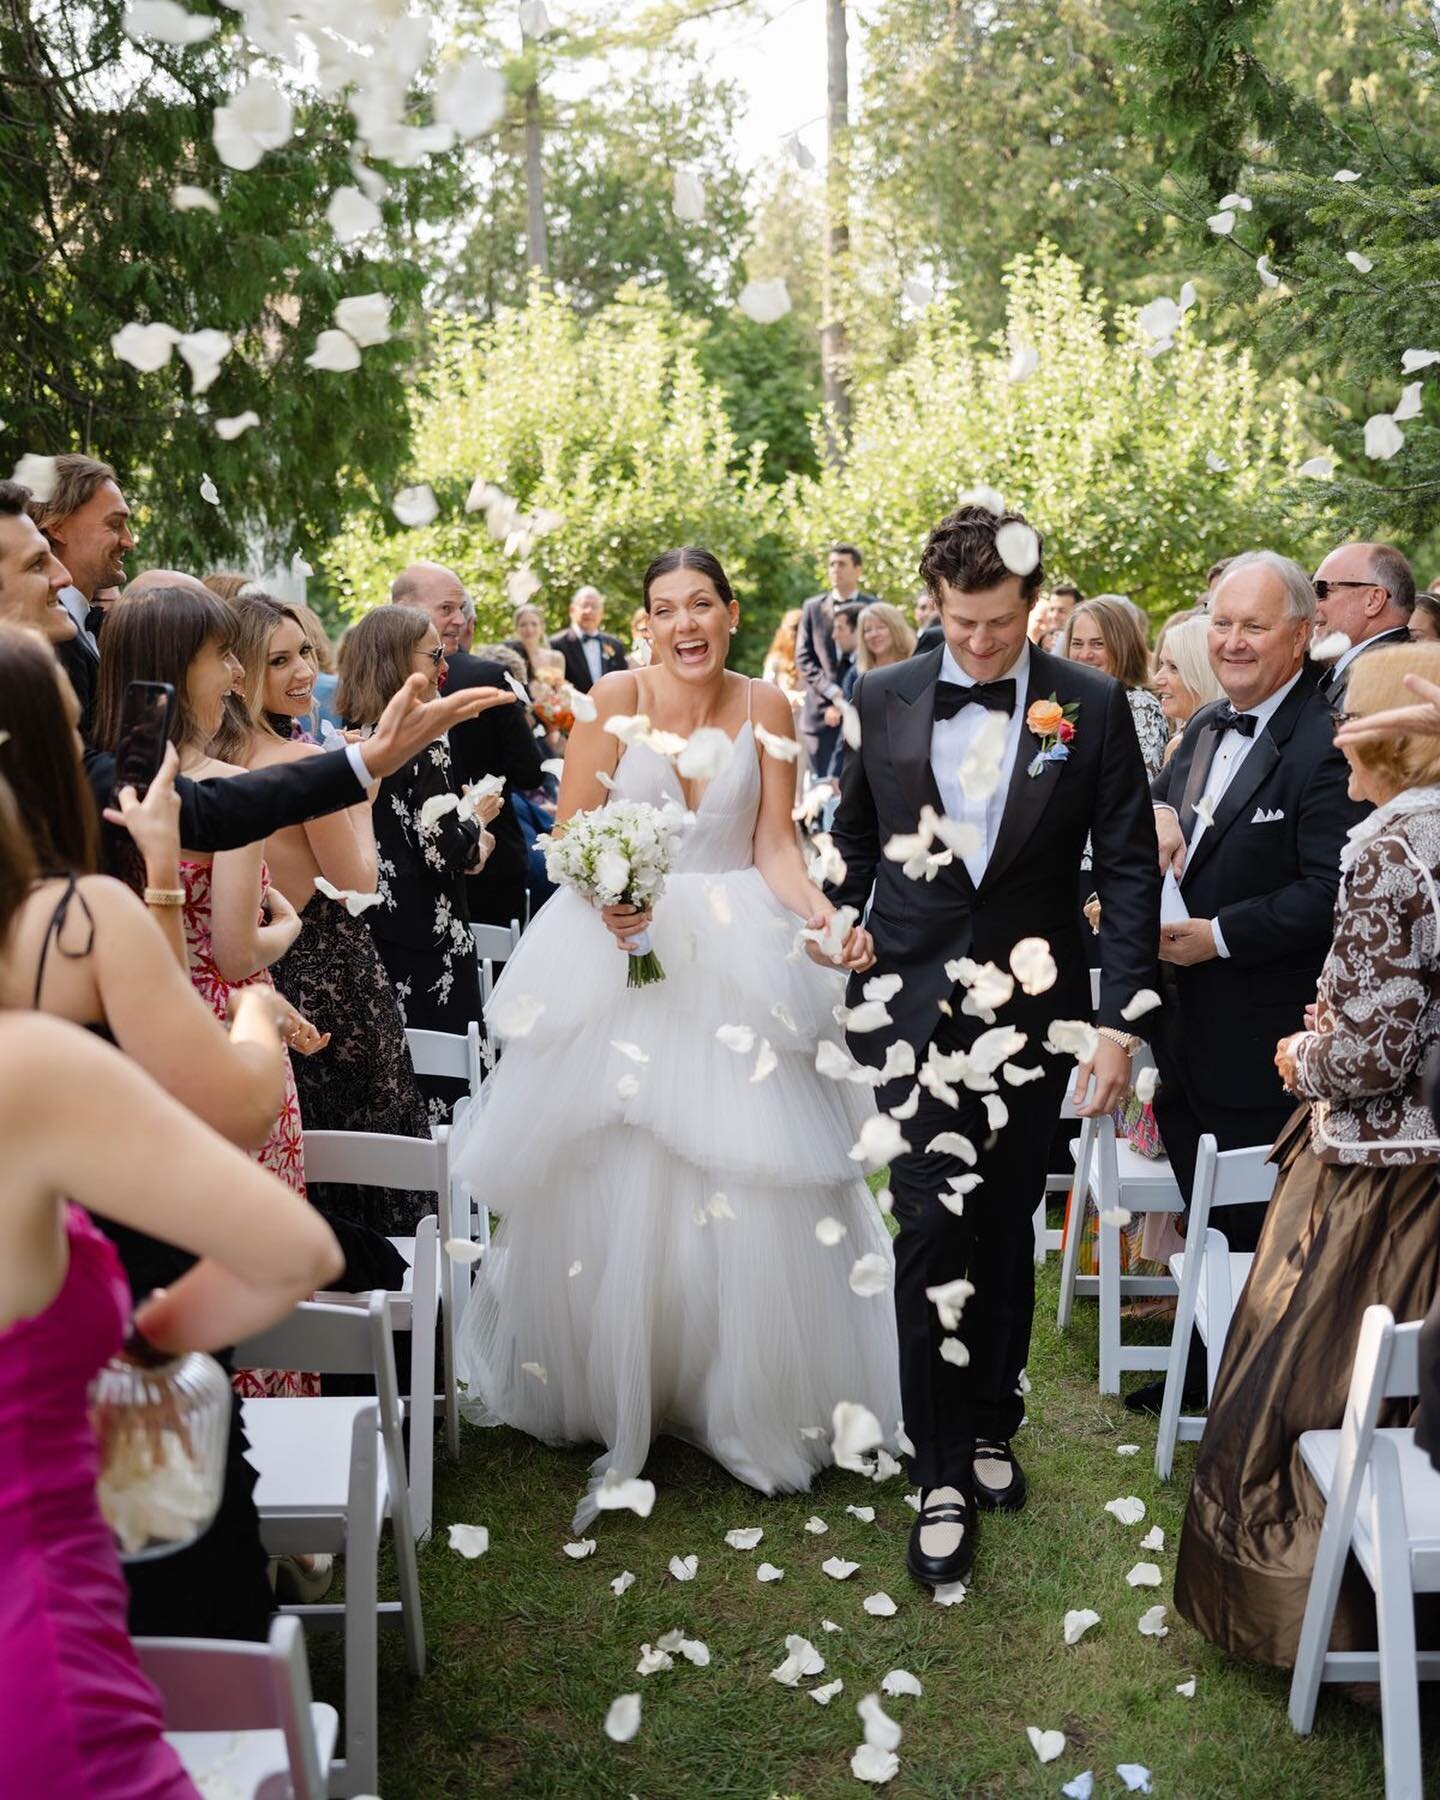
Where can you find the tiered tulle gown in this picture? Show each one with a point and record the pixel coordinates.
(617, 1268)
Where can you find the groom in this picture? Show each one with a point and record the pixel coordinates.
(1014, 875)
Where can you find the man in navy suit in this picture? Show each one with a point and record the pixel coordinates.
(817, 658)
(1251, 812)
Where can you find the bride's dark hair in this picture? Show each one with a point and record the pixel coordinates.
(689, 557)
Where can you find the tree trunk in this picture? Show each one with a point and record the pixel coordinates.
(537, 247)
(833, 344)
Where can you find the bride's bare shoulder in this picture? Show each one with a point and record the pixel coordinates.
(616, 694)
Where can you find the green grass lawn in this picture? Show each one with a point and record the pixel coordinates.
(528, 1648)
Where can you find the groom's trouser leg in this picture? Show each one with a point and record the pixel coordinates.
(991, 1245)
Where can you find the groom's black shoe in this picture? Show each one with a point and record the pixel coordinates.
(942, 1539)
(1000, 1484)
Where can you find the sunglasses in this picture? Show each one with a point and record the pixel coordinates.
(1322, 586)
(433, 656)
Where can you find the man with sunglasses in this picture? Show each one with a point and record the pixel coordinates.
(1366, 591)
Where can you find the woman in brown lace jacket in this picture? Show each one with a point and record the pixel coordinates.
(1355, 1211)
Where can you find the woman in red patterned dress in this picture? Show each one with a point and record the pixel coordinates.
(235, 923)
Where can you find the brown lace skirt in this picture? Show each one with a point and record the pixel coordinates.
(1336, 1240)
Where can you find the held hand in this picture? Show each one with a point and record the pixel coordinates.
(1172, 842)
(832, 715)
(1285, 1059)
(1110, 1067)
(1091, 909)
(482, 853)
(300, 1035)
(410, 722)
(1187, 942)
(625, 922)
(1422, 720)
(154, 822)
(282, 917)
(488, 809)
(1312, 1012)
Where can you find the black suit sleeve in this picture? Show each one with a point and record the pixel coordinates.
(856, 828)
(807, 657)
(1126, 868)
(499, 742)
(224, 815)
(1299, 916)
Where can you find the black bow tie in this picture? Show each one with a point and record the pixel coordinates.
(589, 637)
(995, 696)
(1227, 719)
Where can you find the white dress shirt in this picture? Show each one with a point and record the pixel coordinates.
(594, 653)
(1231, 751)
(950, 743)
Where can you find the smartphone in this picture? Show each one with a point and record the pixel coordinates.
(144, 733)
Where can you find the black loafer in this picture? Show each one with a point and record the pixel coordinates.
(1000, 1484)
(936, 1571)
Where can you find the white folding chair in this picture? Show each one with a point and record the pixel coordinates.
(379, 1159)
(1382, 1501)
(493, 944)
(240, 1717)
(1113, 1175)
(330, 1471)
(1058, 1180)
(1210, 1276)
(448, 1054)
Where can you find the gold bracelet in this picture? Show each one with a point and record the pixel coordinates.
(1127, 1040)
(164, 896)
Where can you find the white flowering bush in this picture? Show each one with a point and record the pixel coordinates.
(619, 855)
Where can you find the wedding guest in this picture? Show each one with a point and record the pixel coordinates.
(929, 632)
(885, 635)
(1252, 813)
(1106, 634)
(332, 973)
(816, 658)
(228, 584)
(1367, 592)
(497, 744)
(87, 523)
(1213, 575)
(530, 640)
(640, 640)
(1184, 678)
(589, 652)
(322, 659)
(779, 664)
(846, 626)
(1425, 620)
(422, 924)
(32, 577)
(77, 1714)
(1064, 597)
(1352, 1223)
(467, 630)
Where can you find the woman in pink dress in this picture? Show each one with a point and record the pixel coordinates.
(78, 1719)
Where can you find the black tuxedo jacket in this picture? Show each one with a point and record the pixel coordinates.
(498, 742)
(1334, 691)
(1268, 869)
(1030, 880)
(82, 665)
(931, 638)
(817, 659)
(223, 815)
(577, 670)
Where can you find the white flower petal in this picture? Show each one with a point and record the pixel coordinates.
(1265, 272)
(203, 352)
(470, 97)
(1154, 1539)
(915, 288)
(880, 1606)
(621, 1582)
(1146, 1083)
(783, 749)
(1118, 1216)
(689, 202)
(623, 1719)
(1135, 1776)
(625, 1493)
(1186, 1688)
(744, 1537)
(352, 215)
(1078, 1622)
(865, 1514)
(948, 1299)
(1217, 465)
(1418, 359)
(1129, 1511)
(232, 428)
(1144, 1574)
(335, 351)
(258, 118)
(1383, 437)
(1346, 175)
(364, 317)
(463, 1250)
(1159, 320)
(881, 1141)
(1024, 361)
(766, 1062)
(1018, 547)
(950, 1593)
(988, 497)
(1033, 966)
(1238, 202)
(38, 474)
(1047, 1745)
(979, 772)
(1127, 1450)
(901, 1681)
(838, 1569)
(208, 491)
(824, 1695)
(415, 506)
(470, 1540)
(871, 1274)
(516, 1017)
(652, 1661)
(829, 1231)
(953, 1350)
(534, 20)
(1072, 1037)
(1328, 648)
(880, 1729)
(854, 1431)
(768, 1572)
(1144, 1000)
(579, 1549)
(193, 199)
(1081, 1788)
(739, 1038)
(683, 1568)
(1361, 264)
(145, 347)
(539, 1371)
(871, 1763)
(1222, 223)
(765, 301)
(1152, 1623)
(1318, 468)
(1410, 406)
(801, 1659)
(816, 1526)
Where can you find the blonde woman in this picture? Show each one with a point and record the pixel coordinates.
(1184, 679)
(1107, 634)
(886, 636)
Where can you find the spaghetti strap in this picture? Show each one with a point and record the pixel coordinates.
(52, 936)
(749, 699)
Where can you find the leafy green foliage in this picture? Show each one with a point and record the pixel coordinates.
(609, 422)
(94, 132)
(1104, 447)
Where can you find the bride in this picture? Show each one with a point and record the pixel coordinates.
(658, 1267)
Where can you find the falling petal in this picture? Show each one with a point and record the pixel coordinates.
(1222, 223)
(232, 428)
(538, 1370)
(689, 202)
(803, 157)
(1018, 547)
(784, 749)
(517, 1017)
(765, 301)
(1144, 1000)
(622, 1493)
(766, 1062)
(1346, 175)
(1078, 1622)
(829, 1231)
(1033, 966)
(534, 20)
(145, 347)
(1159, 320)
(1017, 1077)
(258, 118)
(1072, 1037)
(872, 1764)
(871, 1274)
(574, 1269)
(1118, 1216)
(1024, 361)
(952, 1350)
(1318, 468)
(364, 317)
(335, 351)
(38, 474)
(917, 290)
(979, 772)
(1383, 437)
(881, 1141)
(1047, 1745)
(193, 199)
(1265, 272)
(470, 1540)
(208, 491)
(1361, 264)
(351, 899)
(1418, 359)
(1327, 649)
(463, 1250)
(470, 97)
(1129, 1511)
(1409, 407)
(1217, 465)
(1238, 201)
(623, 1719)
(880, 1729)
(415, 506)
(948, 1299)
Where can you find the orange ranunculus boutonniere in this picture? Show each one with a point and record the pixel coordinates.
(1054, 725)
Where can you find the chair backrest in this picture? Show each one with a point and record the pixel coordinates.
(328, 1338)
(497, 942)
(211, 1684)
(1386, 1367)
(1227, 1178)
(447, 1053)
(380, 1159)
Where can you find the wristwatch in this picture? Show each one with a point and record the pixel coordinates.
(1127, 1040)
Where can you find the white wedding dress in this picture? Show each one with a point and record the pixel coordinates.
(656, 1264)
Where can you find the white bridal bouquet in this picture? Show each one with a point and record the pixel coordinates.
(618, 855)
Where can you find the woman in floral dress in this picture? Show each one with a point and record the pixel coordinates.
(428, 838)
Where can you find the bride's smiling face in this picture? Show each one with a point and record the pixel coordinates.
(690, 624)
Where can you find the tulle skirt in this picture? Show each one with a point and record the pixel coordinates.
(656, 1268)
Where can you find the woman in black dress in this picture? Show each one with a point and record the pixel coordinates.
(428, 838)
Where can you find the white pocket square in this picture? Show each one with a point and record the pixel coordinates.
(1264, 817)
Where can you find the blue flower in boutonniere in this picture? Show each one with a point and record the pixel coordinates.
(1054, 725)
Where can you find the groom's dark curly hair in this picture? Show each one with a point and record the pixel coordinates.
(961, 551)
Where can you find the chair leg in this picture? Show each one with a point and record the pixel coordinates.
(1175, 1369)
(1039, 1226)
(361, 1774)
(1075, 1228)
(1109, 1308)
(1320, 1601)
(1395, 1619)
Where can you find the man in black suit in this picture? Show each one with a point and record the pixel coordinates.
(496, 743)
(929, 632)
(1251, 813)
(816, 656)
(1004, 759)
(32, 577)
(87, 522)
(589, 652)
(1366, 591)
